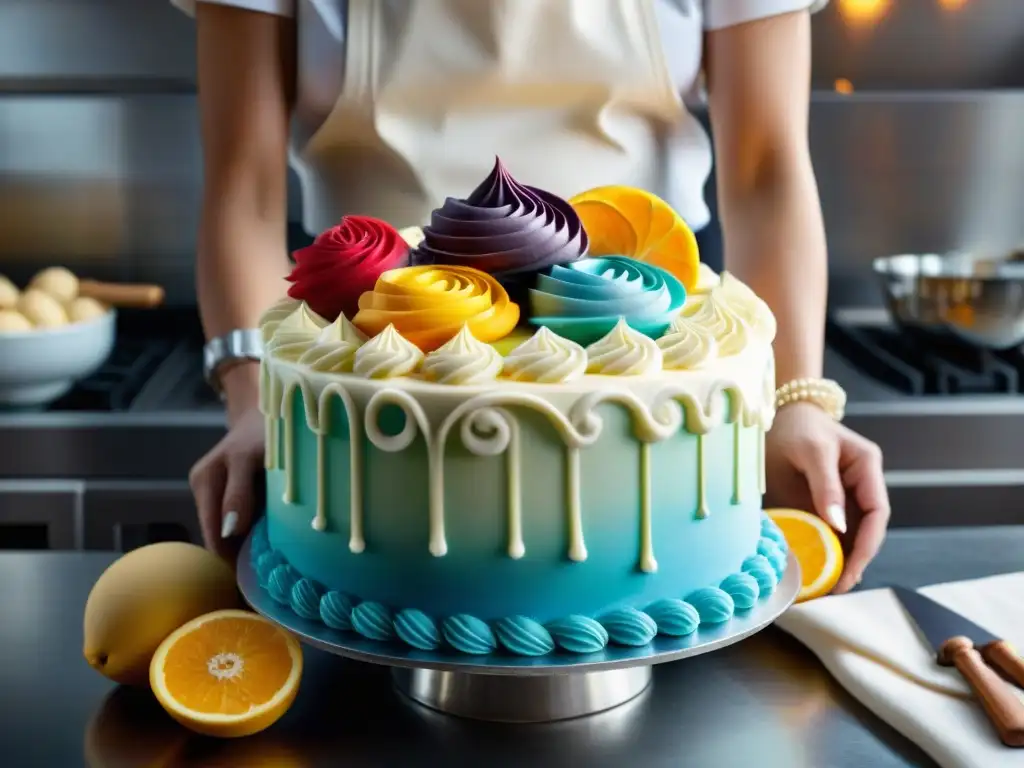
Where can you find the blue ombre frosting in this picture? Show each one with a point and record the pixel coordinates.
(517, 635)
(583, 300)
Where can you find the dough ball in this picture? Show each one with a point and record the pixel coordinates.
(9, 294)
(85, 308)
(58, 282)
(42, 310)
(13, 322)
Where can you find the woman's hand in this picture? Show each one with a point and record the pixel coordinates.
(816, 464)
(225, 480)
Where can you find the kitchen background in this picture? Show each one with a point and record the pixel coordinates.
(917, 130)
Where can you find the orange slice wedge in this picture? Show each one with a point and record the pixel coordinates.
(625, 221)
(815, 546)
(228, 673)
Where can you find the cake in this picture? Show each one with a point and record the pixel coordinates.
(539, 429)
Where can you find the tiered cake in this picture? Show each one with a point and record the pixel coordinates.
(538, 429)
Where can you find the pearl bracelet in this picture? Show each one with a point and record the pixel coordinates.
(824, 393)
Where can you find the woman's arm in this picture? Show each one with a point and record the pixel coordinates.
(759, 88)
(246, 83)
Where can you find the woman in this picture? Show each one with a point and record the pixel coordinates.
(399, 102)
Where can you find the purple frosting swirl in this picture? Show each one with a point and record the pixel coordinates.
(504, 228)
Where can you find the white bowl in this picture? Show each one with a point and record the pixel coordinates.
(38, 366)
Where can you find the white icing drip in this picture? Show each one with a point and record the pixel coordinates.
(687, 345)
(295, 334)
(659, 406)
(647, 562)
(387, 355)
(272, 318)
(750, 307)
(335, 348)
(463, 359)
(712, 312)
(546, 358)
(624, 352)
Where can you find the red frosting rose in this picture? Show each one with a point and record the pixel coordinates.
(343, 263)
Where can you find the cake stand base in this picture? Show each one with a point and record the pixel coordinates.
(522, 699)
(518, 689)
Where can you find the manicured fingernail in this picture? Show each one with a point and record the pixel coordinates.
(835, 516)
(227, 528)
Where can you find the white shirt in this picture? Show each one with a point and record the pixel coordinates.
(678, 20)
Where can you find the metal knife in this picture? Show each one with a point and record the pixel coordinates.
(957, 642)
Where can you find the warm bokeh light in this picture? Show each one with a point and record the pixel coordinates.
(952, 5)
(843, 86)
(863, 12)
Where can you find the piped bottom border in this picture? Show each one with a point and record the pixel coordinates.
(520, 635)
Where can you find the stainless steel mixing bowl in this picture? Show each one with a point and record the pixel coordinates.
(973, 297)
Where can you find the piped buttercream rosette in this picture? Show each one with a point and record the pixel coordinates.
(504, 228)
(586, 299)
(429, 305)
(345, 261)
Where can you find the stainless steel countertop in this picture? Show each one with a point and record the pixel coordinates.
(764, 702)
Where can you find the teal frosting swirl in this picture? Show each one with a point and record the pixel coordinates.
(578, 634)
(415, 628)
(674, 617)
(583, 300)
(743, 589)
(336, 611)
(266, 564)
(775, 555)
(280, 583)
(469, 635)
(628, 626)
(713, 605)
(523, 636)
(762, 571)
(373, 621)
(771, 530)
(305, 598)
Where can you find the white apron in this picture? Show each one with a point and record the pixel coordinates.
(571, 94)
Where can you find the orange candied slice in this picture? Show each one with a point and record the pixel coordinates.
(625, 221)
(815, 546)
(228, 673)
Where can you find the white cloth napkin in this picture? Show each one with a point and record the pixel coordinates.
(869, 644)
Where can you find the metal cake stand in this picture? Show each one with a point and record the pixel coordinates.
(519, 689)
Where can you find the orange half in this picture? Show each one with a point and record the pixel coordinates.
(815, 546)
(626, 221)
(228, 673)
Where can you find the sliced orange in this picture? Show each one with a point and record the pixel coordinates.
(626, 221)
(228, 673)
(815, 546)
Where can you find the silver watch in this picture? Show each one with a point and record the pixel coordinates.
(234, 346)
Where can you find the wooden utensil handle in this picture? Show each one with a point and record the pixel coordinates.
(1001, 655)
(1000, 701)
(122, 295)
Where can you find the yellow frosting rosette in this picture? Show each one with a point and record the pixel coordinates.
(430, 304)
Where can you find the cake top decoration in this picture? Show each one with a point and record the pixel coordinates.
(632, 222)
(504, 228)
(428, 305)
(331, 274)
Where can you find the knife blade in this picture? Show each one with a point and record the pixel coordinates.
(939, 623)
(944, 630)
